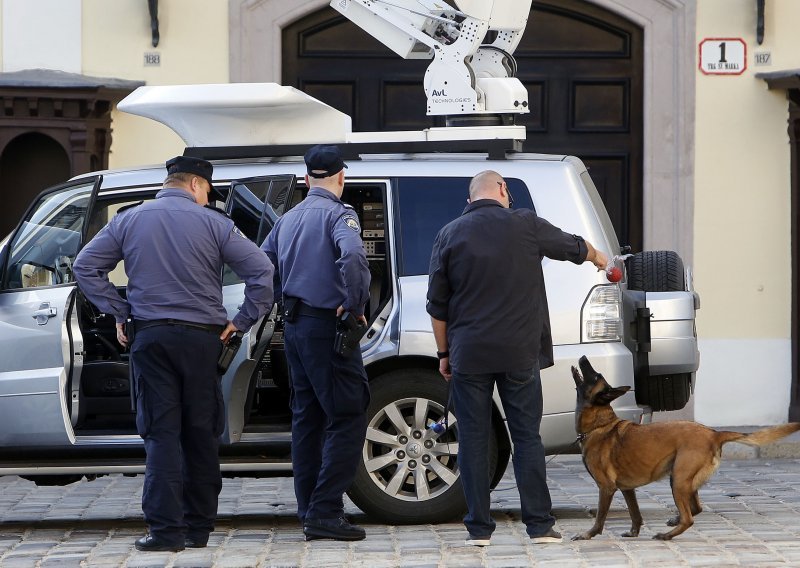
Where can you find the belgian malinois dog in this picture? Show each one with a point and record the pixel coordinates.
(622, 455)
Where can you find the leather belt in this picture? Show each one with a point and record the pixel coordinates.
(323, 313)
(139, 325)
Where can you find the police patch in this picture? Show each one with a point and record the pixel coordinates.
(238, 232)
(352, 222)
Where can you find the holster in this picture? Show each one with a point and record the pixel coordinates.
(349, 332)
(290, 307)
(130, 331)
(228, 352)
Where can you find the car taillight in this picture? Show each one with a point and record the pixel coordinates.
(601, 317)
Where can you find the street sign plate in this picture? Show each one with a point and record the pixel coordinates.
(723, 56)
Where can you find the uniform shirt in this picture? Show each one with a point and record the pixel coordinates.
(318, 254)
(174, 251)
(486, 282)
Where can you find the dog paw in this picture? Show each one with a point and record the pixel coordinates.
(674, 521)
(584, 536)
(630, 534)
(662, 536)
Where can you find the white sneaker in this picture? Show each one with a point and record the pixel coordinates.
(475, 541)
(550, 537)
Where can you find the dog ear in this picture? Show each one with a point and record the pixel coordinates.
(608, 396)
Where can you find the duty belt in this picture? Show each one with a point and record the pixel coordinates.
(323, 313)
(139, 325)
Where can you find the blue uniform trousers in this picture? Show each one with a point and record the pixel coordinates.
(330, 395)
(180, 415)
(521, 394)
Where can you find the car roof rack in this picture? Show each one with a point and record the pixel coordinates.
(267, 120)
(496, 149)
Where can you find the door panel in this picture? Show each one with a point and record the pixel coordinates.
(36, 352)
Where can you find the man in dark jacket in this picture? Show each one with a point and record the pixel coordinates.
(487, 302)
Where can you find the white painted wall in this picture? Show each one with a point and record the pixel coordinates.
(749, 387)
(41, 34)
(742, 224)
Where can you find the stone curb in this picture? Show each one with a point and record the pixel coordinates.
(787, 448)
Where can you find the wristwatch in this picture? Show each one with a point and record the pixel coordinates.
(443, 354)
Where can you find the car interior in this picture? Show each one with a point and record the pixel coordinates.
(103, 393)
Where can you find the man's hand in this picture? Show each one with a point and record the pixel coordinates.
(362, 319)
(596, 257)
(600, 260)
(121, 337)
(229, 330)
(444, 368)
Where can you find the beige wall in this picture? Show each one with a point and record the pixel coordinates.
(742, 179)
(193, 49)
(742, 224)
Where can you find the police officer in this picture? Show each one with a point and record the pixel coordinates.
(174, 250)
(322, 271)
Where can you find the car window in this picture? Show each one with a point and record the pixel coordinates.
(425, 205)
(44, 248)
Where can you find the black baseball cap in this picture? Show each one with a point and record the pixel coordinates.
(195, 166)
(324, 161)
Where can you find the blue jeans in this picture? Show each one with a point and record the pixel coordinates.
(521, 394)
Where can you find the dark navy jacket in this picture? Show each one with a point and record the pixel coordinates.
(318, 254)
(174, 251)
(486, 282)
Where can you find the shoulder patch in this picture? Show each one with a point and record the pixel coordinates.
(217, 209)
(238, 232)
(352, 222)
(129, 206)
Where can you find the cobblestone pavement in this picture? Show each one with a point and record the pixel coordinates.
(751, 518)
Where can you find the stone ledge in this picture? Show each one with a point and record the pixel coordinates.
(786, 448)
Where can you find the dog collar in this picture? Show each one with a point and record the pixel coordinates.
(581, 437)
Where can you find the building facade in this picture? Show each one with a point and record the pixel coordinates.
(693, 148)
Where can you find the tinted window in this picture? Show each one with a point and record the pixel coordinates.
(43, 250)
(425, 205)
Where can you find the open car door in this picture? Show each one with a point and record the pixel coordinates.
(39, 361)
(255, 204)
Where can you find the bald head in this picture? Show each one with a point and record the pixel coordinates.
(489, 185)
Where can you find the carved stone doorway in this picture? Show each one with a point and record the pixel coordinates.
(53, 125)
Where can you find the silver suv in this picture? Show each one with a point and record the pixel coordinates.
(64, 389)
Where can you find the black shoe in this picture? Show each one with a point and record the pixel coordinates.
(336, 529)
(150, 544)
(191, 542)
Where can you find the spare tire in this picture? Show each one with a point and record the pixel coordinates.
(656, 271)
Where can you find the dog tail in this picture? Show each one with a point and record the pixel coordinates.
(760, 437)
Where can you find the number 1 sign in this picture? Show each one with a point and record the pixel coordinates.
(723, 56)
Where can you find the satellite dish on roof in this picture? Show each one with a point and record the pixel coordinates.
(239, 114)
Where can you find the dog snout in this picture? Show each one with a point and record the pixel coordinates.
(576, 376)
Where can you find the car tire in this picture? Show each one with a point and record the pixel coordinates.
(668, 392)
(656, 271)
(381, 488)
(660, 271)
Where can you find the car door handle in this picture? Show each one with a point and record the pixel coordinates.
(44, 313)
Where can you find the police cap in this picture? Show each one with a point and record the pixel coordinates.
(324, 161)
(195, 166)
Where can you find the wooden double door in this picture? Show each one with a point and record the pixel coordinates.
(581, 64)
